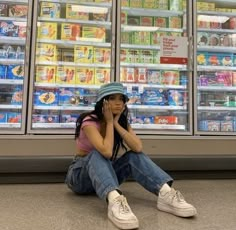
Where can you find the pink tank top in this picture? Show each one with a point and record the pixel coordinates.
(82, 141)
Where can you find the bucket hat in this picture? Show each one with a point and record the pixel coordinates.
(111, 88)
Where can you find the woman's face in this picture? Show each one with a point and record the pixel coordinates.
(116, 102)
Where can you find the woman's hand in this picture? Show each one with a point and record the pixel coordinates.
(107, 112)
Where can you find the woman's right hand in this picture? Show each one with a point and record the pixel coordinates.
(107, 111)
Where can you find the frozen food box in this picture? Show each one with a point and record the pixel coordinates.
(133, 20)
(136, 3)
(175, 5)
(67, 55)
(227, 126)
(141, 38)
(134, 96)
(154, 77)
(146, 56)
(102, 55)
(45, 118)
(102, 75)
(3, 117)
(13, 117)
(3, 10)
(83, 54)
(47, 30)
(84, 76)
(45, 73)
(102, 17)
(149, 4)
(154, 97)
(125, 37)
(124, 3)
(175, 22)
(162, 4)
(170, 77)
(96, 34)
(66, 96)
(74, 11)
(156, 56)
(129, 75)
(124, 55)
(140, 75)
(46, 52)
(86, 96)
(22, 31)
(65, 75)
(3, 71)
(175, 98)
(68, 118)
(18, 11)
(17, 96)
(45, 97)
(173, 120)
(209, 125)
(9, 28)
(123, 18)
(15, 72)
(70, 31)
(161, 22)
(133, 56)
(146, 21)
(50, 10)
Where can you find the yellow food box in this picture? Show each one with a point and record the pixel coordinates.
(102, 55)
(74, 11)
(124, 3)
(96, 34)
(45, 73)
(84, 76)
(65, 75)
(46, 52)
(83, 54)
(47, 30)
(50, 10)
(136, 3)
(102, 75)
(149, 4)
(70, 31)
(162, 4)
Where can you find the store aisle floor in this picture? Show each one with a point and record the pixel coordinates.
(54, 207)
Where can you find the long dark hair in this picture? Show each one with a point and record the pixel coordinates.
(97, 115)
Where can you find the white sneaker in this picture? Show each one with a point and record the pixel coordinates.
(121, 214)
(173, 202)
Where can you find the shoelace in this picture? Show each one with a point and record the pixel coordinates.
(123, 205)
(177, 195)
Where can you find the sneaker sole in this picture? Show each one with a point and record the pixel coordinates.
(123, 225)
(177, 212)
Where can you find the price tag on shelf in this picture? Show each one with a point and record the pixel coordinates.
(140, 88)
(129, 88)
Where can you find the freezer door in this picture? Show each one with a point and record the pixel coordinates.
(15, 24)
(155, 64)
(215, 72)
(73, 57)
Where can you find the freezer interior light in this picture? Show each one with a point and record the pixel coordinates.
(140, 28)
(89, 9)
(208, 18)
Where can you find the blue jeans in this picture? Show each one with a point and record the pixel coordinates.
(94, 173)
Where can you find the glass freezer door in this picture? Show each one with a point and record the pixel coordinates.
(154, 65)
(73, 57)
(14, 30)
(216, 67)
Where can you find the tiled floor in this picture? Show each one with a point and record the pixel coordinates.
(54, 207)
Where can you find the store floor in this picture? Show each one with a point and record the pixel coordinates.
(54, 207)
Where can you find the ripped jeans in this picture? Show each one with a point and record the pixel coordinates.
(94, 173)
